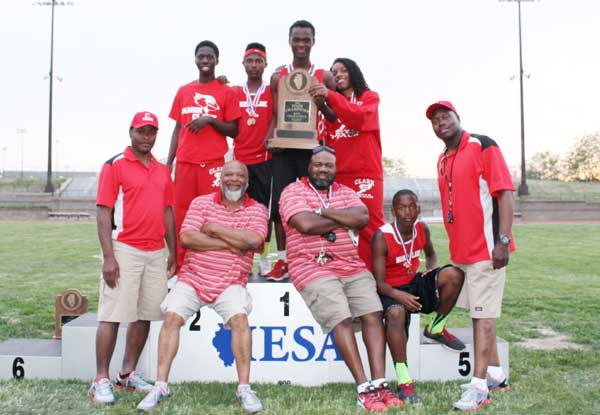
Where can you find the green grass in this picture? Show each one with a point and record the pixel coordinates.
(552, 281)
(555, 190)
(29, 184)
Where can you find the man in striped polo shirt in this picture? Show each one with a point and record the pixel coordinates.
(321, 218)
(221, 231)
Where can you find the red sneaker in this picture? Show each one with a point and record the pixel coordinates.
(370, 401)
(279, 271)
(387, 396)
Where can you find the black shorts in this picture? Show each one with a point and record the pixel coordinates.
(259, 182)
(287, 165)
(423, 286)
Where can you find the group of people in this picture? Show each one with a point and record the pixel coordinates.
(353, 270)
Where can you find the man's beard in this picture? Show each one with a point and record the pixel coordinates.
(234, 195)
(321, 184)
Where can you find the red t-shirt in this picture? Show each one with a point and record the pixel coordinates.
(138, 196)
(249, 145)
(477, 171)
(211, 272)
(396, 273)
(355, 134)
(318, 74)
(299, 197)
(194, 100)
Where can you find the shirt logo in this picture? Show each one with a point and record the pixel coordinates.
(343, 132)
(206, 106)
(216, 173)
(364, 185)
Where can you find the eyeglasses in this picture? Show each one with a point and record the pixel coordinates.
(318, 149)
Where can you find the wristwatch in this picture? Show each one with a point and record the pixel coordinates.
(504, 240)
(318, 211)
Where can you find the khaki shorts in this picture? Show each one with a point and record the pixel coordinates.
(332, 300)
(183, 301)
(141, 287)
(483, 289)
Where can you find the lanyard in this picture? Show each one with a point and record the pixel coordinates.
(253, 102)
(324, 203)
(311, 70)
(407, 255)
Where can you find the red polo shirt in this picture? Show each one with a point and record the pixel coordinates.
(211, 272)
(138, 196)
(301, 248)
(478, 172)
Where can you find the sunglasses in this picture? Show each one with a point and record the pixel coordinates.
(319, 149)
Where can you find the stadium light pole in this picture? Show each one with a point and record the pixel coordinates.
(49, 186)
(523, 188)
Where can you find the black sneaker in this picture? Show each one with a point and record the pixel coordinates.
(446, 339)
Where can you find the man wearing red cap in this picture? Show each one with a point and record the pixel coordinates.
(135, 217)
(476, 192)
(205, 112)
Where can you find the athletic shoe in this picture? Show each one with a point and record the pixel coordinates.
(102, 392)
(154, 398)
(497, 385)
(264, 266)
(387, 396)
(446, 339)
(406, 392)
(133, 383)
(370, 401)
(248, 400)
(472, 399)
(279, 271)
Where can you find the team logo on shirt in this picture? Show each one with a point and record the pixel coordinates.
(364, 185)
(401, 259)
(343, 132)
(216, 173)
(205, 106)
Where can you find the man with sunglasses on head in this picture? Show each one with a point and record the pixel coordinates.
(320, 218)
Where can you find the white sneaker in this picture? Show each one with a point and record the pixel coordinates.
(102, 392)
(248, 400)
(472, 399)
(133, 383)
(264, 266)
(151, 401)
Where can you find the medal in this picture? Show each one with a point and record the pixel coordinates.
(252, 103)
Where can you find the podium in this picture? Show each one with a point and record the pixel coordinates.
(288, 348)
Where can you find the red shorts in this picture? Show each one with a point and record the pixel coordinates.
(370, 192)
(192, 180)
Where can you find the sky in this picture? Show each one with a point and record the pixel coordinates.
(113, 58)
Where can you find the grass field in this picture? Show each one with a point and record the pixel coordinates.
(553, 282)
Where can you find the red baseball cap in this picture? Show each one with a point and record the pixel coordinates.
(143, 118)
(437, 105)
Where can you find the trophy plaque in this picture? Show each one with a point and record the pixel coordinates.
(69, 305)
(296, 113)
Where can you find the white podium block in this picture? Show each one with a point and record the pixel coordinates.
(439, 363)
(79, 349)
(30, 359)
(288, 346)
